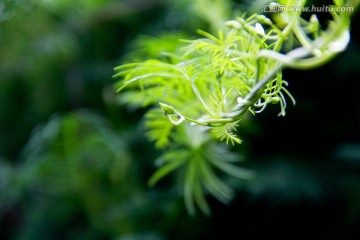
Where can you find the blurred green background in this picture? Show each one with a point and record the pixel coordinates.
(74, 162)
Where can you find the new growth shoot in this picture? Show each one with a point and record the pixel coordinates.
(209, 85)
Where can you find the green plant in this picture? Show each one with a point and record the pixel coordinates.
(78, 164)
(210, 84)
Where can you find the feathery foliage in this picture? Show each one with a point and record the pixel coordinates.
(209, 87)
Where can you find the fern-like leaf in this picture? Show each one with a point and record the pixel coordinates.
(158, 127)
(226, 133)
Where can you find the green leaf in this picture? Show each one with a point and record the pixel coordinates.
(190, 181)
(232, 170)
(165, 170)
(225, 132)
(158, 127)
(215, 186)
(200, 198)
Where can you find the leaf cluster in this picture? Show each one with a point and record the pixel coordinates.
(209, 84)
